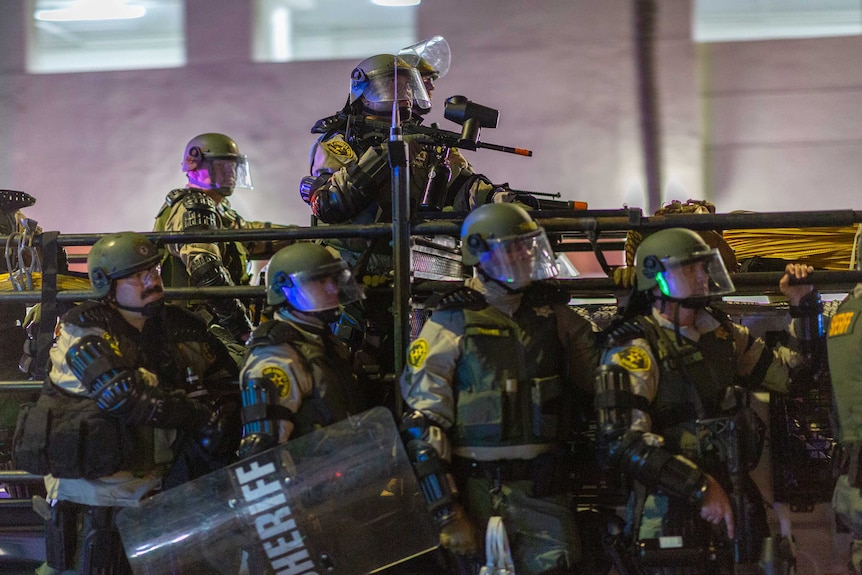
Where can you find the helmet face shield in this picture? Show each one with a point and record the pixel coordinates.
(702, 275)
(519, 260)
(324, 288)
(434, 51)
(229, 172)
(380, 92)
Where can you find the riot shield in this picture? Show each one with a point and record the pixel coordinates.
(341, 500)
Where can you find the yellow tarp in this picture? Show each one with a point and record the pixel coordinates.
(64, 282)
(823, 248)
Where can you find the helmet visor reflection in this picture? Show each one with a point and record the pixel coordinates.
(518, 260)
(327, 287)
(230, 173)
(411, 89)
(701, 276)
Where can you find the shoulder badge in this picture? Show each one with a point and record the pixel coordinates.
(417, 353)
(340, 149)
(842, 323)
(634, 359)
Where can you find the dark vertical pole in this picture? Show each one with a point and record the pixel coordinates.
(400, 247)
(644, 46)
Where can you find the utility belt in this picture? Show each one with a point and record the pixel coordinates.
(540, 470)
(846, 461)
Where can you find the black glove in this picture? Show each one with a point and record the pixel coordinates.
(255, 443)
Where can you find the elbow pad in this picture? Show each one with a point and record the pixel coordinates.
(658, 469)
(200, 213)
(309, 184)
(121, 391)
(435, 481)
(613, 402)
(95, 363)
(437, 486)
(207, 270)
(261, 411)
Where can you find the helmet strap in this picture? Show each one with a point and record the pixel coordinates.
(325, 316)
(488, 279)
(147, 310)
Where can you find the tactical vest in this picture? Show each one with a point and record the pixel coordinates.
(508, 380)
(844, 346)
(334, 394)
(95, 444)
(694, 378)
(233, 254)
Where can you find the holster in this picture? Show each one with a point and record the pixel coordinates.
(61, 535)
(102, 551)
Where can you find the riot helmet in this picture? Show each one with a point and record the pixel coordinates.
(682, 265)
(219, 156)
(307, 277)
(507, 245)
(372, 82)
(117, 256)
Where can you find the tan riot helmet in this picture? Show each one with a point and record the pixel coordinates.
(682, 265)
(119, 255)
(212, 161)
(504, 242)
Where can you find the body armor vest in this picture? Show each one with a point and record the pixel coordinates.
(508, 379)
(334, 394)
(155, 353)
(233, 254)
(694, 378)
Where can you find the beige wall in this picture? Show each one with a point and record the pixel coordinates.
(761, 126)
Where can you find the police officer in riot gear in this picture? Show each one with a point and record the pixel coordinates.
(214, 168)
(350, 183)
(490, 387)
(844, 347)
(132, 381)
(674, 418)
(297, 375)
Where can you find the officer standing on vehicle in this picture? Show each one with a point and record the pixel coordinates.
(844, 347)
(132, 381)
(214, 168)
(350, 183)
(297, 376)
(490, 386)
(673, 406)
(350, 174)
